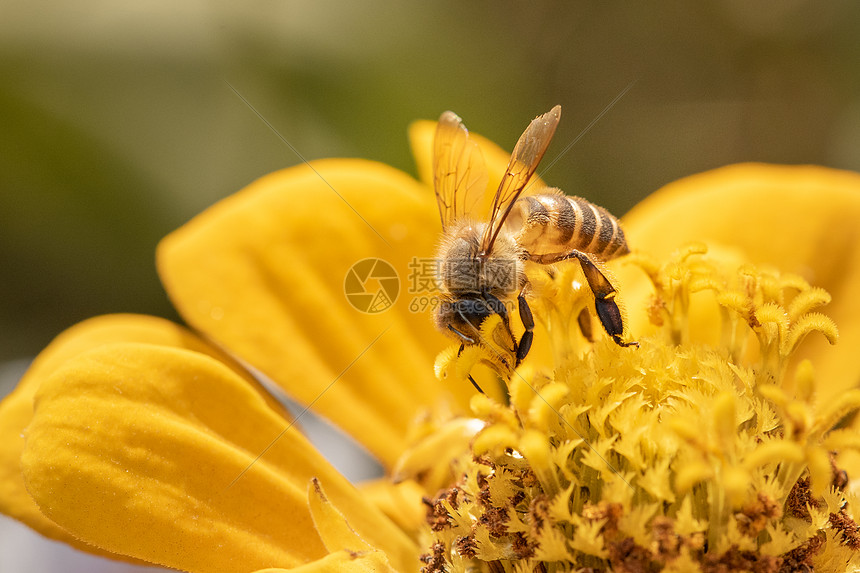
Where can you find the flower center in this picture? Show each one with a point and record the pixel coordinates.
(703, 449)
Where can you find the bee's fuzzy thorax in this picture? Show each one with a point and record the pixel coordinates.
(463, 269)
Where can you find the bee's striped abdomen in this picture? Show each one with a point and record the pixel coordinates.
(552, 223)
(601, 232)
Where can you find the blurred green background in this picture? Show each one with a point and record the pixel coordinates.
(117, 123)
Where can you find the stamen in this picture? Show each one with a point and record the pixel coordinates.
(675, 455)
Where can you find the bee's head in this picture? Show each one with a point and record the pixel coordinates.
(463, 317)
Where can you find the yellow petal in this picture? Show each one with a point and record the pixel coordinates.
(800, 219)
(401, 502)
(332, 526)
(263, 273)
(16, 410)
(423, 457)
(351, 534)
(421, 134)
(358, 533)
(140, 449)
(343, 562)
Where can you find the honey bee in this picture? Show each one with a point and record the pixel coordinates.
(482, 260)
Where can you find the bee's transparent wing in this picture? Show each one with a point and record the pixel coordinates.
(524, 161)
(459, 172)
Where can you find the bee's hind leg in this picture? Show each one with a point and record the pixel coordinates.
(584, 321)
(604, 294)
(528, 321)
(604, 299)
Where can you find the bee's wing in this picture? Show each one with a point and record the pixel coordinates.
(459, 172)
(524, 161)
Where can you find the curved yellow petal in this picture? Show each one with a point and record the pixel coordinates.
(450, 440)
(333, 528)
(421, 135)
(16, 410)
(343, 562)
(263, 273)
(800, 219)
(401, 502)
(167, 455)
(339, 532)
(357, 533)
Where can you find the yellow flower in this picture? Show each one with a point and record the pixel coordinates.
(135, 438)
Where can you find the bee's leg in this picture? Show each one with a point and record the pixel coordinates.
(584, 321)
(459, 352)
(528, 321)
(497, 306)
(604, 299)
(604, 293)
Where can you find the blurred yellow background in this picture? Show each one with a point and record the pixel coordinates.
(117, 122)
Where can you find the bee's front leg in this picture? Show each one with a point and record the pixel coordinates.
(498, 307)
(472, 380)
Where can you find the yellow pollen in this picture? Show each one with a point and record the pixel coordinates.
(703, 449)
